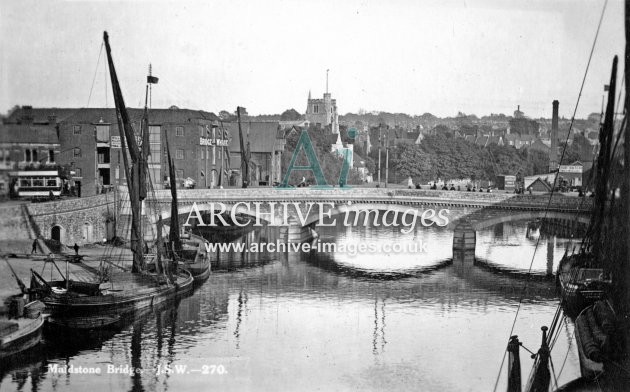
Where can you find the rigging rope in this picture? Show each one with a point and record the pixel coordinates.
(552, 189)
(95, 72)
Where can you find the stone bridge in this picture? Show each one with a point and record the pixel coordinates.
(301, 210)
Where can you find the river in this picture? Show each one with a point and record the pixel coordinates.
(379, 320)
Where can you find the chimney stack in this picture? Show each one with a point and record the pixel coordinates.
(553, 152)
(27, 115)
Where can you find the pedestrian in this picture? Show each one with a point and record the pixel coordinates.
(76, 249)
(409, 183)
(34, 247)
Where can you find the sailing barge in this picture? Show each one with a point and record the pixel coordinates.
(101, 304)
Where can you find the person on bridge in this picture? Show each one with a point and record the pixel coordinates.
(410, 183)
(76, 249)
(34, 247)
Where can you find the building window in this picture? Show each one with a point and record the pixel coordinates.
(76, 152)
(51, 156)
(315, 109)
(155, 141)
(179, 173)
(77, 172)
(76, 130)
(35, 156)
(27, 155)
(102, 133)
(202, 132)
(179, 131)
(179, 154)
(154, 134)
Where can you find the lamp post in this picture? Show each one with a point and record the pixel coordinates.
(387, 158)
(379, 154)
(206, 159)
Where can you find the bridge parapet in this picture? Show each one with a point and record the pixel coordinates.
(380, 195)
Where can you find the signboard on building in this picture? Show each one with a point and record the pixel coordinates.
(114, 141)
(571, 169)
(213, 142)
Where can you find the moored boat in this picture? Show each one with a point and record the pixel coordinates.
(191, 252)
(22, 332)
(580, 282)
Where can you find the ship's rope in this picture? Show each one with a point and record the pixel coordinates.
(571, 339)
(95, 72)
(520, 301)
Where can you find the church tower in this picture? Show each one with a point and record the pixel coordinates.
(323, 112)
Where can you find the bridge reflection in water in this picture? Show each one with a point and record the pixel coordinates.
(281, 321)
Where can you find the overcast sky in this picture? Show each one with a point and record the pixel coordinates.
(485, 56)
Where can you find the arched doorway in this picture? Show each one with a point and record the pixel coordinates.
(87, 232)
(55, 233)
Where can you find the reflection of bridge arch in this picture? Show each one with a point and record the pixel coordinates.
(527, 215)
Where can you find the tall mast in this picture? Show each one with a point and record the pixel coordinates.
(174, 237)
(621, 290)
(244, 152)
(133, 168)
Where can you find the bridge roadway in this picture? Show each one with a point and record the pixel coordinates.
(468, 211)
(498, 199)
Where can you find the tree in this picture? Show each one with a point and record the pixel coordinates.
(226, 116)
(290, 115)
(243, 112)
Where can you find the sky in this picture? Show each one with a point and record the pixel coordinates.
(404, 56)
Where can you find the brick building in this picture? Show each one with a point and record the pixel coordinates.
(89, 142)
(27, 146)
(266, 145)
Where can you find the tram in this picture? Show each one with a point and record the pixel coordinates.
(35, 183)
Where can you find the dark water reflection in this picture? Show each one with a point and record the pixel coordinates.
(325, 322)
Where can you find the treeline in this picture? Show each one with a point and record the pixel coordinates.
(446, 157)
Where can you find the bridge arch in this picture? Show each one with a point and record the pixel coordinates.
(526, 215)
(341, 209)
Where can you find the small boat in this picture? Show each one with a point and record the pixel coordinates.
(195, 258)
(21, 333)
(581, 284)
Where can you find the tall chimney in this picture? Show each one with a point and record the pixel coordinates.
(553, 153)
